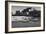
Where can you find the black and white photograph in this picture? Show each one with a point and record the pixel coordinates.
(25, 16)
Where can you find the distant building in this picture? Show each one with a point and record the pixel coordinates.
(28, 12)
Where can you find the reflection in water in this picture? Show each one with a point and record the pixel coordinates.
(24, 21)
